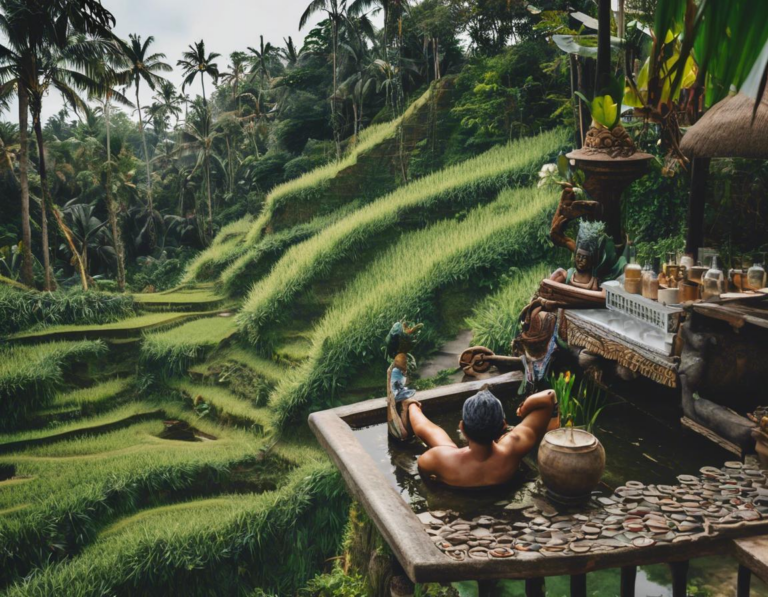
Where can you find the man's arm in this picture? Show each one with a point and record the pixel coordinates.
(537, 413)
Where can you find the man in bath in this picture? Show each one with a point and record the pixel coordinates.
(494, 452)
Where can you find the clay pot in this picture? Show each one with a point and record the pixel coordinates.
(571, 463)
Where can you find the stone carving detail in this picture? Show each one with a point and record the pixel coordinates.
(616, 142)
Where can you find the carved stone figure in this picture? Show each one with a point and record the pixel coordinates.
(400, 341)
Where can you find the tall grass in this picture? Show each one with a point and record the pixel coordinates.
(22, 309)
(30, 375)
(275, 541)
(89, 400)
(495, 320)
(511, 232)
(171, 352)
(452, 189)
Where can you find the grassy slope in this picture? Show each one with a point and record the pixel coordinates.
(234, 243)
(275, 540)
(30, 375)
(138, 323)
(80, 483)
(460, 186)
(173, 351)
(402, 282)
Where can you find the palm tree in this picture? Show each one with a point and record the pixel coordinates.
(43, 52)
(15, 55)
(336, 11)
(167, 104)
(290, 53)
(194, 62)
(107, 71)
(143, 66)
(236, 74)
(198, 137)
(262, 62)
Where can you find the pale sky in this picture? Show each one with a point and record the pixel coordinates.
(225, 25)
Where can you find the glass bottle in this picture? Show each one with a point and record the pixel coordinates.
(713, 282)
(756, 277)
(651, 281)
(671, 269)
(633, 283)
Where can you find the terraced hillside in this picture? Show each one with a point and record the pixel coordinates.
(167, 452)
(375, 163)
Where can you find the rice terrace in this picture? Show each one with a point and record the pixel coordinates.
(384, 298)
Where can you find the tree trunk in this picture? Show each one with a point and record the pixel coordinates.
(117, 240)
(27, 275)
(150, 204)
(336, 132)
(46, 201)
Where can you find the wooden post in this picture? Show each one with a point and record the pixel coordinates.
(743, 581)
(534, 587)
(603, 43)
(628, 577)
(694, 238)
(679, 578)
(579, 585)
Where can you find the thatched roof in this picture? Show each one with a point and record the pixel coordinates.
(727, 129)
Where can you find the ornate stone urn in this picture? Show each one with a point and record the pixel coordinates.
(571, 464)
(610, 162)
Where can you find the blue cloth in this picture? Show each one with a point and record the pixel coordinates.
(397, 386)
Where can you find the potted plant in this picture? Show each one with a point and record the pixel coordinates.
(571, 459)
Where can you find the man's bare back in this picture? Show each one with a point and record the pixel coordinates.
(482, 463)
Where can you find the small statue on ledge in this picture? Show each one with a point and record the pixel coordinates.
(400, 340)
(595, 260)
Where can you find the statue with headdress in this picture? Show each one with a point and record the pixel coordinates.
(399, 342)
(595, 260)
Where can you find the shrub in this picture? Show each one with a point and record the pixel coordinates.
(511, 232)
(460, 186)
(22, 309)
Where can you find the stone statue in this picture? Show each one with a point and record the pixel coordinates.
(595, 260)
(400, 341)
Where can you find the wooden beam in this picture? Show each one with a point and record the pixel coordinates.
(628, 578)
(579, 585)
(534, 587)
(694, 238)
(679, 578)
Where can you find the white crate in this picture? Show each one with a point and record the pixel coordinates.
(659, 316)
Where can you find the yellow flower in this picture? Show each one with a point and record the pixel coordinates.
(567, 376)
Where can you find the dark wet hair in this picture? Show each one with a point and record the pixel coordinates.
(483, 417)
